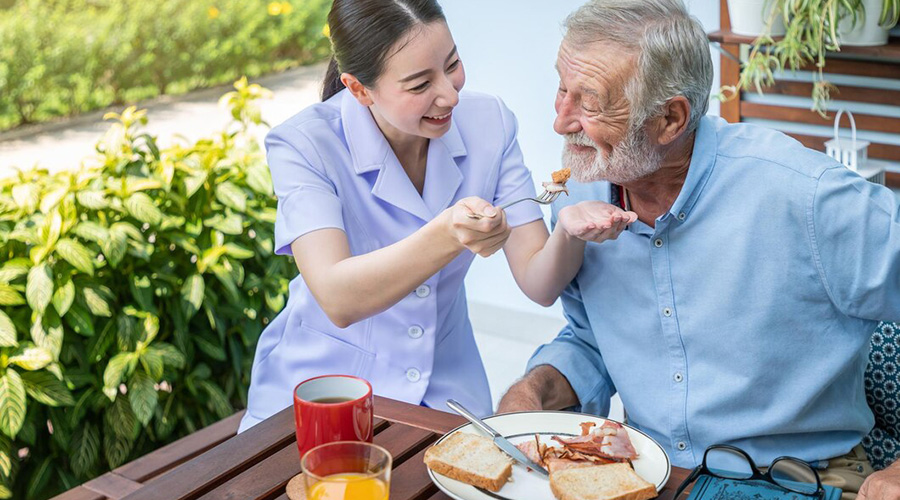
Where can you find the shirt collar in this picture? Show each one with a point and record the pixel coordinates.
(370, 152)
(703, 160)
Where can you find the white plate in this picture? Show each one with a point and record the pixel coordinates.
(652, 463)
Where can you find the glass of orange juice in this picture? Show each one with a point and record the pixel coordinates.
(347, 470)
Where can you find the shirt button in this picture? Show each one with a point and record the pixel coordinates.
(658, 242)
(413, 375)
(667, 312)
(681, 445)
(415, 331)
(678, 377)
(682, 216)
(423, 291)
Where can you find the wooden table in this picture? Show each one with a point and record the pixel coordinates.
(216, 463)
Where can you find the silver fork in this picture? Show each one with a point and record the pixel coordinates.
(544, 198)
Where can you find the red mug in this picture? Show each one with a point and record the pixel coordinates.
(332, 408)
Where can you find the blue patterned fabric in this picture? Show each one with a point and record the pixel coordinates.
(883, 395)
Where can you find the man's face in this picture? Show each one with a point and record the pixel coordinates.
(593, 114)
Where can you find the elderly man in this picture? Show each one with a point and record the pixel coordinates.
(739, 307)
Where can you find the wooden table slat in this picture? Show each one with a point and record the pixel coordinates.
(417, 416)
(112, 485)
(79, 493)
(178, 452)
(219, 464)
(410, 481)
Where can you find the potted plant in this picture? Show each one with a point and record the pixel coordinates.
(877, 19)
(812, 29)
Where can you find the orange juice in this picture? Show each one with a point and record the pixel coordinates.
(349, 486)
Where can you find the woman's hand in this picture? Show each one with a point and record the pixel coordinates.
(482, 236)
(594, 220)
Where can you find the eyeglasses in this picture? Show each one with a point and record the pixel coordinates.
(729, 462)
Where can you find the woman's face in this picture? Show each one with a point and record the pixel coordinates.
(419, 87)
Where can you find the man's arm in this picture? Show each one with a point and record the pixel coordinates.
(882, 485)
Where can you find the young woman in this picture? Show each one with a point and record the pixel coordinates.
(376, 185)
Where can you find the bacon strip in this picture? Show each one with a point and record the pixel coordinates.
(610, 441)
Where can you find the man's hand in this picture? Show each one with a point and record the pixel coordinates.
(542, 388)
(594, 220)
(882, 485)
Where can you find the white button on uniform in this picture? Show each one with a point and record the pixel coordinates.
(658, 242)
(415, 331)
(678, 377)
(681, 445)
(413, 375)
(667, 312)
(423, 291)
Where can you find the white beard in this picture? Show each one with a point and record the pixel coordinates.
(631, 159)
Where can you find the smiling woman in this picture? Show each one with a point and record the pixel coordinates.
(376, 186)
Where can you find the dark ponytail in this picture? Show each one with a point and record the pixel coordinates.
(364, 31)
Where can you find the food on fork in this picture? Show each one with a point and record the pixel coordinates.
(559, 178)
(616, 481)
(471, 459)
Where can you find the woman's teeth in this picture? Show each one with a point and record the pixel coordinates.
(441, 117)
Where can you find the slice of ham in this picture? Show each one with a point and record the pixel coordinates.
(609, 441)
(530, 449)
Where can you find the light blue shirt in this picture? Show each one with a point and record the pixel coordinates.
(332, 168)
(745, 315)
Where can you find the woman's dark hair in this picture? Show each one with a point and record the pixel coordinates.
(363, 31)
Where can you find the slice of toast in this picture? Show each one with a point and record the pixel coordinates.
(602, 482)
(471, 459)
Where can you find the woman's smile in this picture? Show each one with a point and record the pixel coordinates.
(438, 119)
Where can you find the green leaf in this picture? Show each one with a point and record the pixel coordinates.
(26, 196)
(76, 254)
(8, 337)
(9, 296)
(85, 449)
(152, 362)
(134, 184)
(94, 200)
(47, 332)
(39, 290)
(47, 389)
(116, 449)
(32, 358)
(40, 477)
(115, 371)
(80, 321)
(115, 246)
(259, 180)
(231, 224)
(96, 301)
(12, 403)
(231, 196)
(121, 420)
(210, 347)
(91, 231)
(193, 183)
(126, 332)
(63, 297)
(169, 353)
(6, 460)
(142, 208)
(52, 198)
(143, 396)
(14, 269)
(5, 492)
(192, 294)
(237, 251)
(274, 301)
(217, 401)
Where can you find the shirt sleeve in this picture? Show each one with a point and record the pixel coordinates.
(575, 354)
(307, 198)
(854, 227)
(514, 181)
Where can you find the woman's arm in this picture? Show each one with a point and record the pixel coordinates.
(351, 288)
(543, 265)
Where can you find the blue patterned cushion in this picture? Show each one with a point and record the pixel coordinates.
(883, 395)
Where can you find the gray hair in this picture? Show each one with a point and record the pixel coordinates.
(671, 46)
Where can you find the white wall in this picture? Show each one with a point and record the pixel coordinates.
(509, 49)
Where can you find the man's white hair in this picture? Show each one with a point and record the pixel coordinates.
(670, 45)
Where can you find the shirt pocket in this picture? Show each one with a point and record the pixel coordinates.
(332, 354)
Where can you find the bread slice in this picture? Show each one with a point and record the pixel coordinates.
(602, 482)
(471, 459)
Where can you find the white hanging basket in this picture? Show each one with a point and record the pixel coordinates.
(854, 156)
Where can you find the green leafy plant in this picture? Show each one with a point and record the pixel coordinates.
(64, 57)
(811, 31)
(132, 294)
